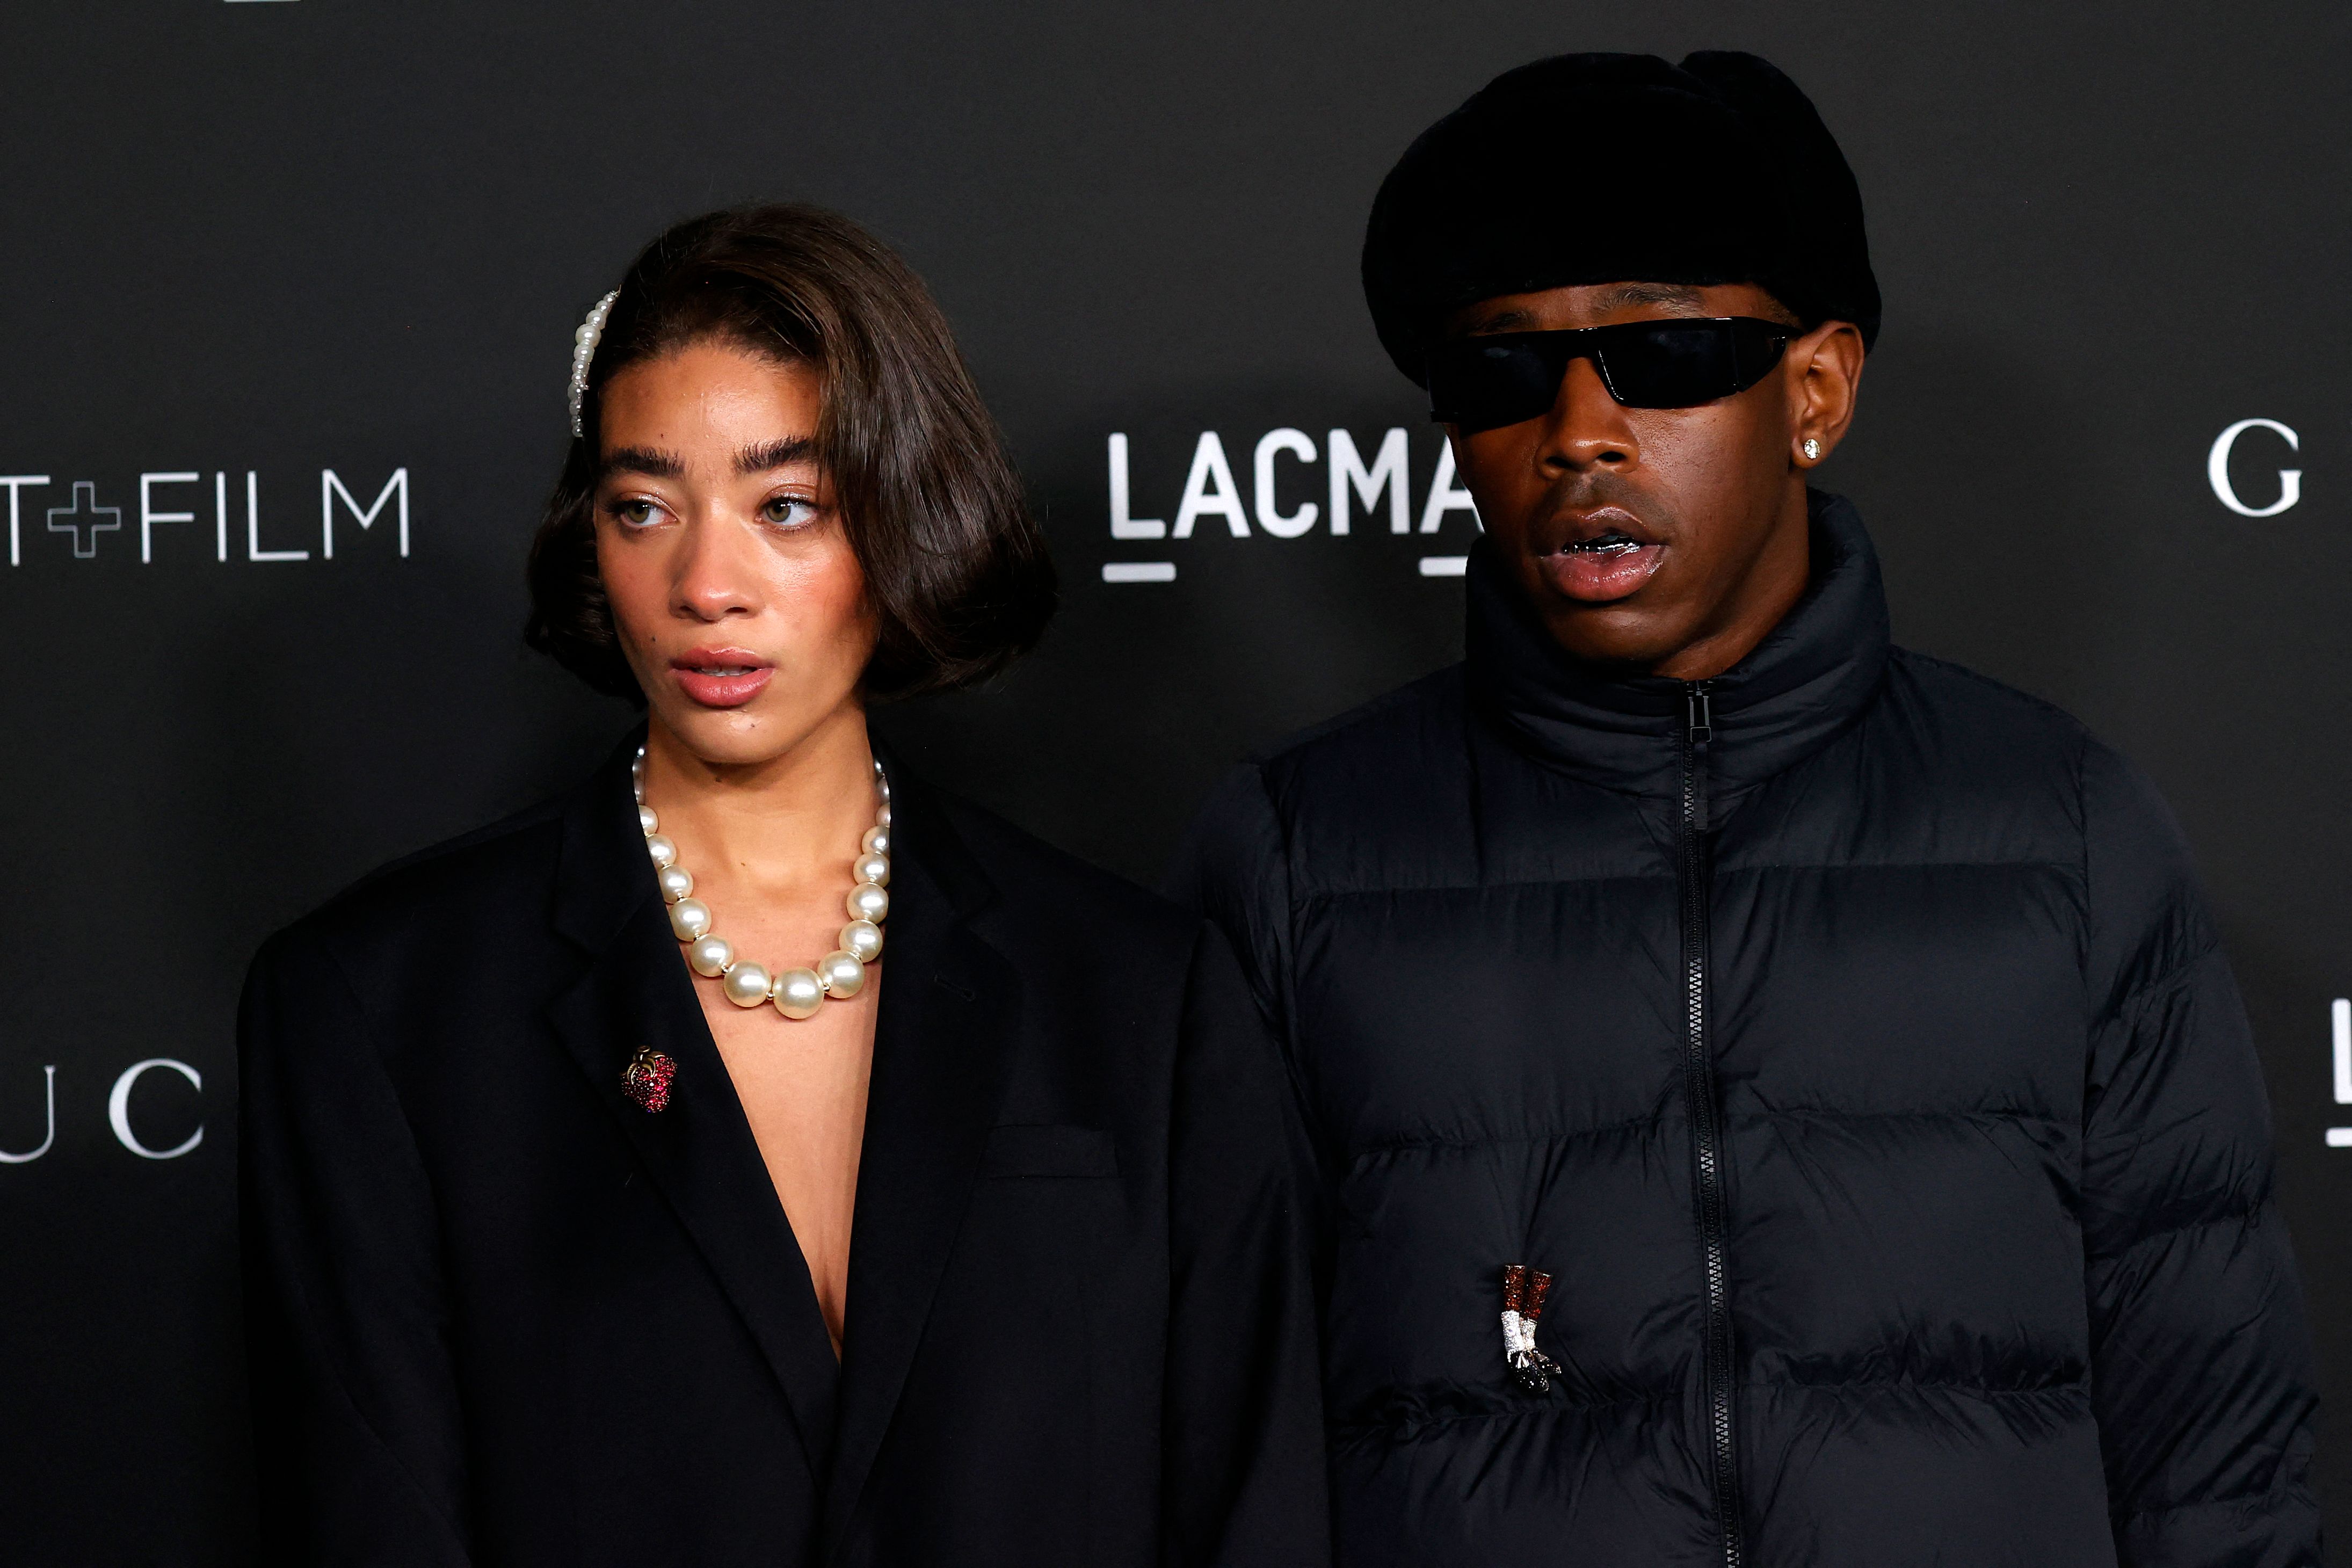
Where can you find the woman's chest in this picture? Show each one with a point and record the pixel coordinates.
(803, 1086)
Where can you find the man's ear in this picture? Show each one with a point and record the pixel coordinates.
(1823, 371)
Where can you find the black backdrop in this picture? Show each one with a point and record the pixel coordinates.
(287, 238)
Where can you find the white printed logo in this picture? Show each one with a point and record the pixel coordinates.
(1354, 486)
(86, 522)
(118, 1113)
(2339, 1018)
(2217, 469)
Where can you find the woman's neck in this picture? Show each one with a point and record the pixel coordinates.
(773, 823)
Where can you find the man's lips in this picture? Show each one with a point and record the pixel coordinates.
(720, 677)
(1607, 555)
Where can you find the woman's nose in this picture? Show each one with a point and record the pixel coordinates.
(715, 575)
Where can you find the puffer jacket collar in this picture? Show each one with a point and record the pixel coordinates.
(1802, 684)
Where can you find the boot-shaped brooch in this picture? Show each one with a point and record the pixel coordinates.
(1524, 1290)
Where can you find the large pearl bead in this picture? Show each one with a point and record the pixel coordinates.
(690, 918)
(646, 820)
(841, 974)
(799, 993)
(710, 955)
(746, 984)
(867, 901)
(675, 881)
(664, 852)
(874, 868)
(877, 841)
(863, 939)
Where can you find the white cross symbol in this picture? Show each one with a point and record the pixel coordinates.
(85, 505)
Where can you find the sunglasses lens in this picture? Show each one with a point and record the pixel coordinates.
(1483, 382)
(1671, 365)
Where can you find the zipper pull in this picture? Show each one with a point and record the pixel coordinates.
(1700, 711)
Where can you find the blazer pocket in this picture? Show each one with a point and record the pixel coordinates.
(1049, 1150)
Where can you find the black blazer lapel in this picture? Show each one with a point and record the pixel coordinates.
(941, 1046)
(700, 1151)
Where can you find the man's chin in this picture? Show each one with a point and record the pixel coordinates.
(1626, 635)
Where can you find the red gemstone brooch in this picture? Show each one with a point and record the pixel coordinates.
(646, 1079)
(1524, 1290)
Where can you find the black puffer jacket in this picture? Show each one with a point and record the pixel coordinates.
(1848, 1039)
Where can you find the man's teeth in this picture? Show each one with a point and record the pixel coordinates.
(1606, 544)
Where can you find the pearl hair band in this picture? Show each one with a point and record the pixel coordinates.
(584, 354)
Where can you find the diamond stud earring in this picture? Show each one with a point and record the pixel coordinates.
(1812, 450)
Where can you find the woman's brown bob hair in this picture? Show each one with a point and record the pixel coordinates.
(956, 568)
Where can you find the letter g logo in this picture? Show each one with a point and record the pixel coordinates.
(2217, 469)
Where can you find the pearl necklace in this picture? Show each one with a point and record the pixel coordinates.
(797, 992)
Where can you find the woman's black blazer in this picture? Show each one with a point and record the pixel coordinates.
(498, 1314)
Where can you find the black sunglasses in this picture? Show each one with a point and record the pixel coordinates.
(1675, 361)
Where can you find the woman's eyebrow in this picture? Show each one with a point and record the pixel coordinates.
(769, 454)
(643, 460)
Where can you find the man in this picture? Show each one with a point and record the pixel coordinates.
(1815, 1057)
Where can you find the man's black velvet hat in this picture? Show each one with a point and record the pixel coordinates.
(1616, 168)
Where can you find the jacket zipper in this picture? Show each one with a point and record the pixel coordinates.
(1706, 1133)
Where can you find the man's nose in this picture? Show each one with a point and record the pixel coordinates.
(1586, 426)
(715, 575)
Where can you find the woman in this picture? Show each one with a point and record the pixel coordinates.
(755, 1156)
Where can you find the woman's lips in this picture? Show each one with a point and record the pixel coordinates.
(721, 677)
(1597, 576)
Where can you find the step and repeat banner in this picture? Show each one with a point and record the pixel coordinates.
(287, 298)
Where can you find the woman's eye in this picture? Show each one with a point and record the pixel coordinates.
(635, 512)
(789, 511)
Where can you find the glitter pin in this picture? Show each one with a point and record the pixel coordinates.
(1524, 1290)
(646, 1079)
